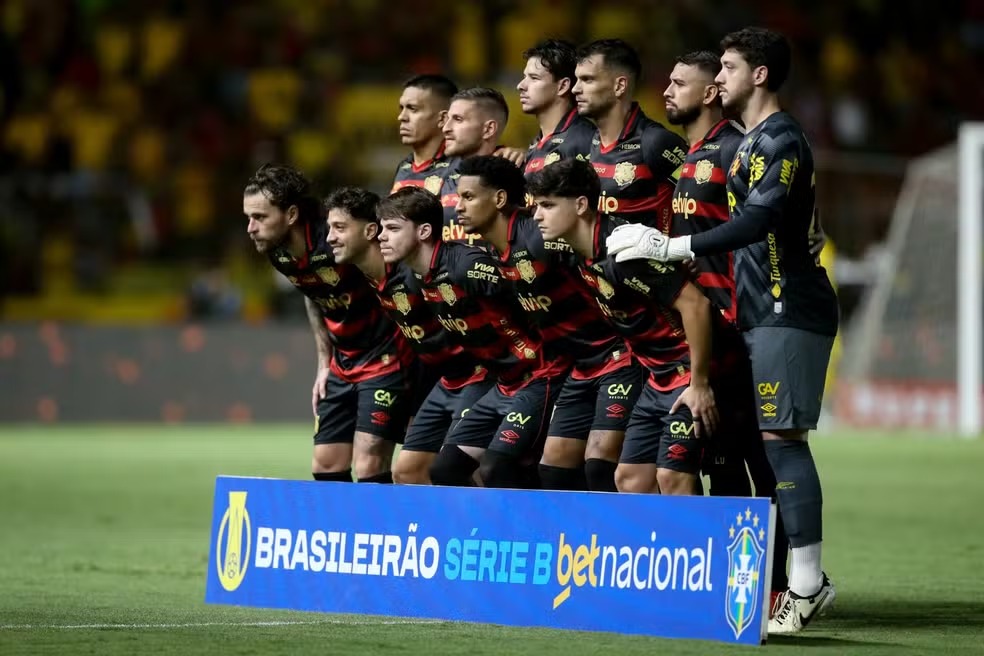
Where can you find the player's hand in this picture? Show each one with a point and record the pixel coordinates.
(703, 407)
(635, 241)
(817, 240)
(320, 389)
(514, 155)
(692, 268)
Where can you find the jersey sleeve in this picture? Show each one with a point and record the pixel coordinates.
(661, 282)
(773, 161)
(479, 275)
(578, 142)
(664, 152)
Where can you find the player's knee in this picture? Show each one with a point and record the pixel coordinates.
(412, 468)
(630, 479)
(563, 452)
(676, 483)
(501, 470)
(604, 445)
(452, 466)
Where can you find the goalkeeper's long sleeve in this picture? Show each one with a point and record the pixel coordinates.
(749, 226)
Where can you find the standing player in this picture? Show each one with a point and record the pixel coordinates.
(501, 435)
(786, 305)
(670, 325)
(546, 91)
(635, 157)
(423, 110)
(588, 424)
(700, 203)
(476, 119)
(353, 232)
(360, 393)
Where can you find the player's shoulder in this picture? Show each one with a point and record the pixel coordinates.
(582, 128)
(779, 131)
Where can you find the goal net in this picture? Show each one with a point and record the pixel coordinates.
(913, 355)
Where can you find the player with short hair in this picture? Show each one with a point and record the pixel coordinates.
(546, 92)
(476, 119)
(787, 308)
(700, 203)
(423, 110)
(502, 434)
(635, 157)
(451, 380)
(688, 347)
(360, 393)
(589, 419)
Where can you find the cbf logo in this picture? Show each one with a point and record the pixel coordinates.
(745, 555)
(233, 542)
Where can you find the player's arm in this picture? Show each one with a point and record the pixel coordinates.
(322, 342)
(664, 152)
(667, 285)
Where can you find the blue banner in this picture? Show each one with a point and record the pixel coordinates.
(676, 567)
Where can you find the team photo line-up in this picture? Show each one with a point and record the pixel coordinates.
(614, 308)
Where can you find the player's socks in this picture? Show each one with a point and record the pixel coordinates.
(501, 470)
(729, 480)
(341, 476)
(562, 478)
(600, 475)
(801, 504)
(385, 477)
(452, 466)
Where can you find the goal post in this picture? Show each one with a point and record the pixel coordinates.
(914, 355)
(970, 307)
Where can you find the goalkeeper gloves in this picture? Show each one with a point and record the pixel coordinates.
(635, 241)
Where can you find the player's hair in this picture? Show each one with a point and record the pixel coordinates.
(413, 204)
(761, 47)
(490, 100)
(557, 56)
(440, 86)
(568, 178)
(285, 186)
(360, 203)
(497, 173)
(705, 60)
(615, 54)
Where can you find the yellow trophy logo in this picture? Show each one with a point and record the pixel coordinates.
(235, 522)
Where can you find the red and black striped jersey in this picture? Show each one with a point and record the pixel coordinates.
(638, 298)
(429, 174)
(638, 171)
(403, 300)
(449, 200)
(545, 278)
(700, 203)
(366, 344)
(465, 289)
(569, 140)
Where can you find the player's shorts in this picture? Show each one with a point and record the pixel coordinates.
(655, 437)
(597, 404)
(440, 411)
(425, 379)
(378, 406)
(789, 367)
(514, 424)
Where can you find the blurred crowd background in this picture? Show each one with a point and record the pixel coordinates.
(127, 129)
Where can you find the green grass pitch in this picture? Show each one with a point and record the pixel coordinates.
(104, 542)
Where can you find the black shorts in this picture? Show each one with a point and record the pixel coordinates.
(440, 411)
(514, 424)
(789, 368)
(597, 404)
(655, 437)
(379, 406)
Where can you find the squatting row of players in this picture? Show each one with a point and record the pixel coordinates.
(535, 325)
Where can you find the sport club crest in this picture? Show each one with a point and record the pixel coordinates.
(329, 275)
(605, 287)
(447, 293)
(526, 270)
(433, 184)
(745, 555)
(551, 158)
(401, 302)
(625, 172)
(703, 171)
